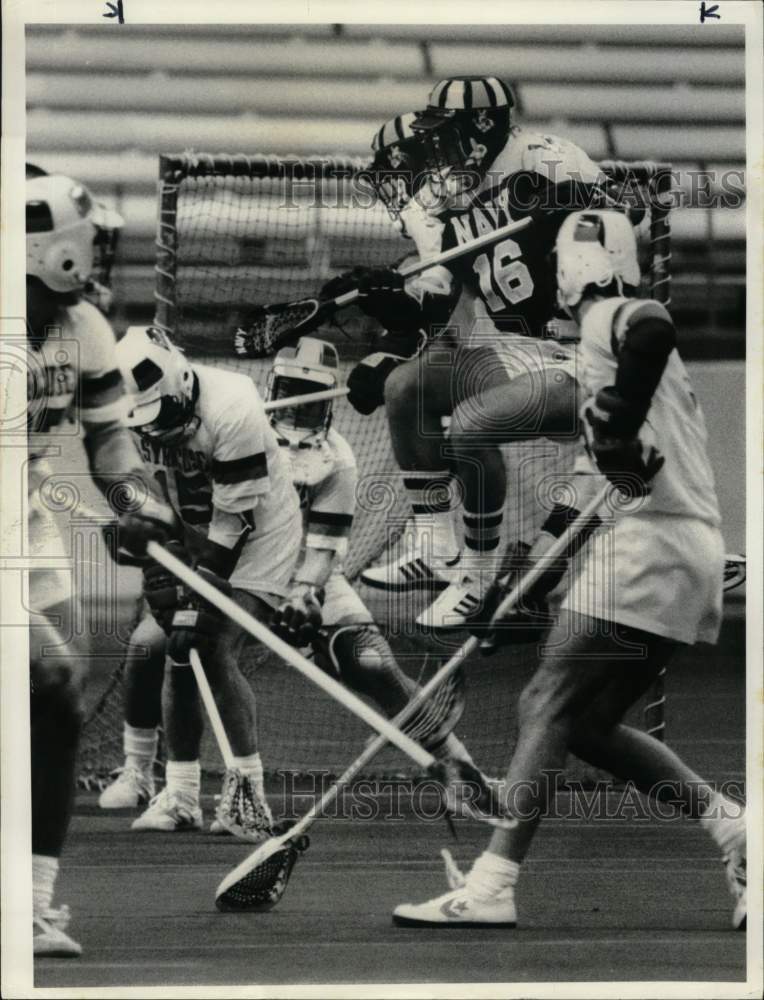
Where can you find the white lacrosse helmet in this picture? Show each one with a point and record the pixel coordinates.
(63, 222)
(595, 248)
(161, 385)
(311, 366)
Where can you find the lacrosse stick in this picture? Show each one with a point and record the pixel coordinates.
(259, 881)
(306, 397)
(267, 327)
(210, 705)
(294, 658)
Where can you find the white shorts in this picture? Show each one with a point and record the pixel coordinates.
(656, 572)
(267, 562)
(521, 355)
(526, 355)
(342, 605)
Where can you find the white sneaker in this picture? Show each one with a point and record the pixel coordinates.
(459, 908)
(50, 937)
(169, 812)
(458, 603)
(241, 810)
(131, 787)
(735, 864)
(420, 564)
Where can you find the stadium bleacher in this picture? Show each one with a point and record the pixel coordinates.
(101, 107)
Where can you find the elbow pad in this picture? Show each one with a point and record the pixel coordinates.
(643, 339)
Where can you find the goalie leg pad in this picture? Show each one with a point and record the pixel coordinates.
(359, 656)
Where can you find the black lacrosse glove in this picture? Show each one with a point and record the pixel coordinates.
(382, 296)
(366, 382)
(153, 521)
(341, 284)
(615, 447)
(529, 619)
(298, 618)
(162, 590)
(196, 624)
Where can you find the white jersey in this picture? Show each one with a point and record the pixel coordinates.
(232, 463)
(77, 358)
(76, 361)
(674, 424)
(325, 478)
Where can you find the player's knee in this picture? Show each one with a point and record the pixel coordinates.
(58, 678)
(359, 655)
(540, 703)
(57, 695)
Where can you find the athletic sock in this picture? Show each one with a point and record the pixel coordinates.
(433, 495)
(252, 767)
(44, 873)
(724, 821)
(482, 531)
(140, 746)
(184, 778)
(491, 874)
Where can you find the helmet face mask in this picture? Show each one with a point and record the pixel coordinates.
(66, 229)
(311, 366)
(398, 172)
(595, 250)
(162, 388)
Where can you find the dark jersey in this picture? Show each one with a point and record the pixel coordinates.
(537, 176)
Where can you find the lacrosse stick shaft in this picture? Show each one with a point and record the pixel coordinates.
(295, 659)
(210, 705)
(419, 266)
(306, 397)
(448, 668)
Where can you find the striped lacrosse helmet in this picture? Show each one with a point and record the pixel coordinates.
(398, 167)
(594, 249)
(311, 366)
(466, 124)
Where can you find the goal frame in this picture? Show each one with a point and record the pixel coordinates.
(174, 168)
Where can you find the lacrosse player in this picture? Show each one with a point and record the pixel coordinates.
(204, 435)
(70, 355)
(322, 609)
(507, 381)
(647, 586)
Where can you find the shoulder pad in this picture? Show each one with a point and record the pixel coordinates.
(94, 335)
(557, 159)
(633, 313)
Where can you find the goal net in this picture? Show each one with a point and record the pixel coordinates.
(237, 231)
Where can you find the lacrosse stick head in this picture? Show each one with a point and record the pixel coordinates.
(432, 723)
(269, 327)
(260, 881)
(469, 794)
